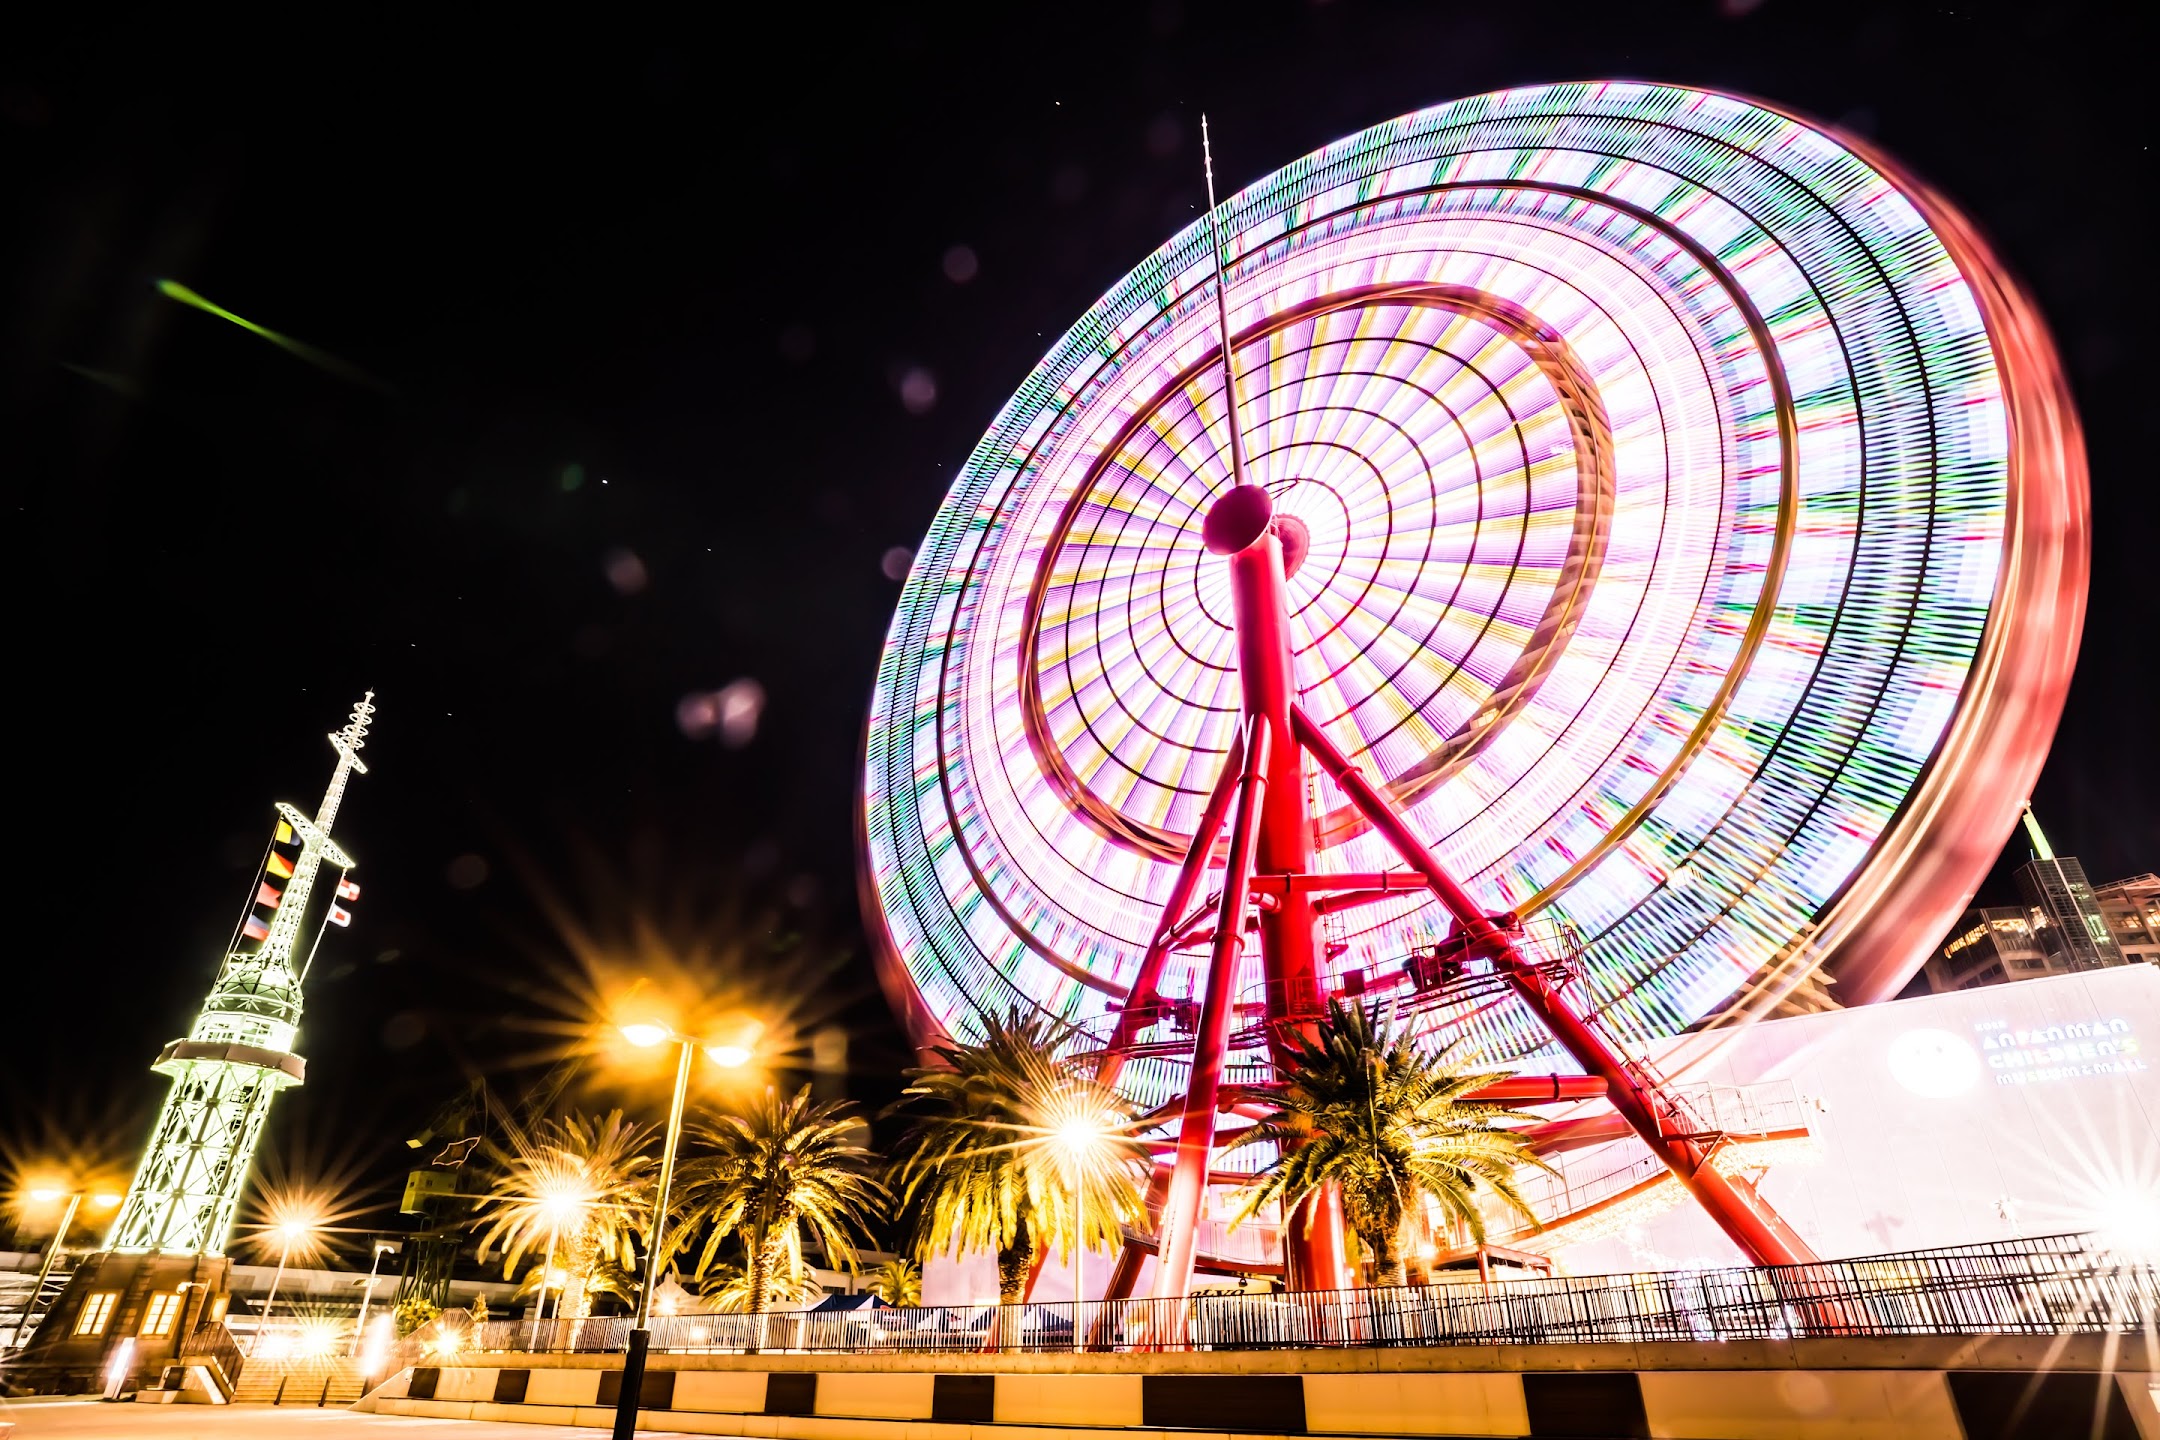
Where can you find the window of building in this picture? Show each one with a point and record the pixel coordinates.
(158, 1319)
(95, 1312)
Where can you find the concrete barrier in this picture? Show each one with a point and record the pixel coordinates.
(1928, 1388)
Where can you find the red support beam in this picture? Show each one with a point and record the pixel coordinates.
(1539, 1089)
(1241, 526)
(1550, 1137)
(1196, 1133)
(1142, 995)
(1757, 1228)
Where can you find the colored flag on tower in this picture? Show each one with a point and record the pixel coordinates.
(255, 928)
(346, 890)
(339, 915)
(268, 894)
(279, 866)
(284, 833)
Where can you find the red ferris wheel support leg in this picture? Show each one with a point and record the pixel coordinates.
(1289, 950)
(1280, 825)
(1739, 1211)
(1196, 1131)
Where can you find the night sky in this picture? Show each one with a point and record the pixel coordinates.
(650, 344)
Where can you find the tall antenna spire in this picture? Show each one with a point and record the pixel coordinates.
(1222, 313)
(2032, 828)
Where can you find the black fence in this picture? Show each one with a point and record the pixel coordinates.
(2048, 1286)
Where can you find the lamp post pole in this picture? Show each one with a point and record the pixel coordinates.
(633, 1377)
(271, 1299)
(547, 1268)
(367, 1296)
(1079, 1254)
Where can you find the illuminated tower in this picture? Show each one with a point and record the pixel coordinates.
(239, 1053)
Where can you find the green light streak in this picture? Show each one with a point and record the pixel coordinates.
(320, 359)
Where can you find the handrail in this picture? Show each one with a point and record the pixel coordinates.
(212, 1341)
(2052, 1285)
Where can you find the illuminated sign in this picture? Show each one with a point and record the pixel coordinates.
(2060, 1052)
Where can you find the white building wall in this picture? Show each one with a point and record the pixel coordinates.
(2022, 1109)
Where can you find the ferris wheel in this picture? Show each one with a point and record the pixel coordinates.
(1628, 562)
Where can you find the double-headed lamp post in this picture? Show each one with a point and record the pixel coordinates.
(46, 1195)
(727, 1057)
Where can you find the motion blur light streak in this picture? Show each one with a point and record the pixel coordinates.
(320, 359)
(1693, 513)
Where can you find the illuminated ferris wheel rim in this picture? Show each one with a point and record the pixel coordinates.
(2004, 710)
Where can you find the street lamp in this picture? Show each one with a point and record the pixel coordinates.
(564, 1202)
(46, 1195)
(292, 1230)
(1080, 1139)
(645, 1035)
(382, 1248)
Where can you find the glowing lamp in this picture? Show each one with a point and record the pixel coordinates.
(1079, 1135)
(45, 1194)
(2128, 1221)
(728, 1057)
(105, 1199)
(645, 1036)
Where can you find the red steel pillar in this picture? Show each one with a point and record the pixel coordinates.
(1240, 526)
(1196, 1131)
(1742, 1214)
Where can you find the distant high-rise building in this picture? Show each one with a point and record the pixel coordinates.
(2066, 916)
(2065, 925)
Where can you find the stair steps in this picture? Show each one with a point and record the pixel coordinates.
(326, 1380)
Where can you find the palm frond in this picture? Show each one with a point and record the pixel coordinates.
(1364, 1108)
(787, 1167)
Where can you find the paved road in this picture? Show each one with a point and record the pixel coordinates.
(94, 1419)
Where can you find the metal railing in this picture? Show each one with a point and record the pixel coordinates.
(2048, 1286)
(214, 1342)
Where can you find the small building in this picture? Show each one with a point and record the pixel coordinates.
(1991, 945)
(2131, 910)
(2066, 925)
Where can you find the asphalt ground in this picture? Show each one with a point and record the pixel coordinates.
(82, 1419)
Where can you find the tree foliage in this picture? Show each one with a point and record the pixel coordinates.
(983, 1166)
(898, 1282)
(786, 1168)
(579, 1188)
(1364, 1108)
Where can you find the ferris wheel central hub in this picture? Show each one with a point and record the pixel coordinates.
(1237, 519)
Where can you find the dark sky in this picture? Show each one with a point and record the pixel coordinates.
(689, 269)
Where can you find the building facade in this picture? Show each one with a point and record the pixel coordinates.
(2131, 910)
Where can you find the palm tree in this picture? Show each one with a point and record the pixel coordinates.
(728, 1287)
(579, 1189)
(787, 1167)
(1364, 1108)
(1015, 1147)
(898, 1282)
